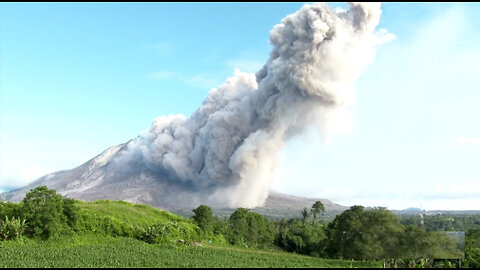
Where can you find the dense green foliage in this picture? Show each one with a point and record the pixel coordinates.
(8, 209)
(301, 237)
(444, 222)
(379, 234)
(11, 228)
(105, 251)
(250, 228)
(472, 248)
(70, 212)
(204, 218)
(47, 215)
(360, 234)
(48, 220)
(43, 210)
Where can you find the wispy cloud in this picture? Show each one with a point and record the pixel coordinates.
(23, 176)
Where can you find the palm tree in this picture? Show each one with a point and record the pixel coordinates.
(305, 214)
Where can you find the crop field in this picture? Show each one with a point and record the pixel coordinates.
(106, 251)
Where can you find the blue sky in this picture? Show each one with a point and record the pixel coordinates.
(77, 78)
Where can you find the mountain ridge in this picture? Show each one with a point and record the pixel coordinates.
(97, 180)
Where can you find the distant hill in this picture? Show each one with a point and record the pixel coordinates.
(411, 209)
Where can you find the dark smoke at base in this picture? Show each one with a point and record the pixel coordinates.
(225, 152)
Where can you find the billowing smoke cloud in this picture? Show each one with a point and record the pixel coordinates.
(226, 150)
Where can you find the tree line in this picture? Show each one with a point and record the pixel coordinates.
(357, 233)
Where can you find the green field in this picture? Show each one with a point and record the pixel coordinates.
(121, 234)
(106, 251)
(105, 236)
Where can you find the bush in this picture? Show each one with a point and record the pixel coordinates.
(169, 232)
(9, 209)
(11, 228)
(107, 225)
(301, 237)
(70, 212)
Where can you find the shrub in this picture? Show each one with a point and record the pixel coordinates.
(169, 232)
(9, 209)
(11, 228)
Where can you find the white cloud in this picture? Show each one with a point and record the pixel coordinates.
(23, 176)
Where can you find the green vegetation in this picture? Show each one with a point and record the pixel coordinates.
(204, 218)
(317, 208)
(444, 222)
(106, 251)
(42, 208)
(379, 234)
(118, 218)
(250, 228)
(301, 237)
(472, 248)
(11, 228)
(46, 230)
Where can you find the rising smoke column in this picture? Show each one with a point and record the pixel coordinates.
(227, 149)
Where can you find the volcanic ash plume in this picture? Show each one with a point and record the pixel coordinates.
(225, 152)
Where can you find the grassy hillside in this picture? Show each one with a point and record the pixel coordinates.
(139, 215)
(119, 218)
(106, 251)
(117, 234)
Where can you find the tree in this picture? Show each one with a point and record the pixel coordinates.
(317, 208)
(301, 237)
(204, 218)
(43, 210)
(249, 227)
(305, 214)
(360, 234)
